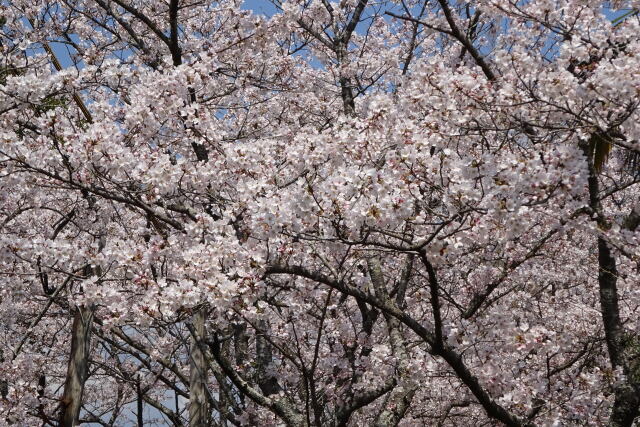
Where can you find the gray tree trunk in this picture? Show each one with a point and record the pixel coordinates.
(198, 403)
(78, 367)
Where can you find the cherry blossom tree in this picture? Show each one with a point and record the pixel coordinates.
(347, 213)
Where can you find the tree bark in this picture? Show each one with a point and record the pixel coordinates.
(4, 384)
(198, 402)
(264, 358)
(140, 404)
(623, 345)
(399, 399)
(78, 367)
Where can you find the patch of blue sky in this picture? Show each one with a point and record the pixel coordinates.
(261, 7)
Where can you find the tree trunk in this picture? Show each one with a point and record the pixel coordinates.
(198, 403)
(622, 344)
(4, 384)
(78, 367)
(267, 382)
(399, 399)
(140, 404)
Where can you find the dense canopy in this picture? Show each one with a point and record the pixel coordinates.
(402, 212)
